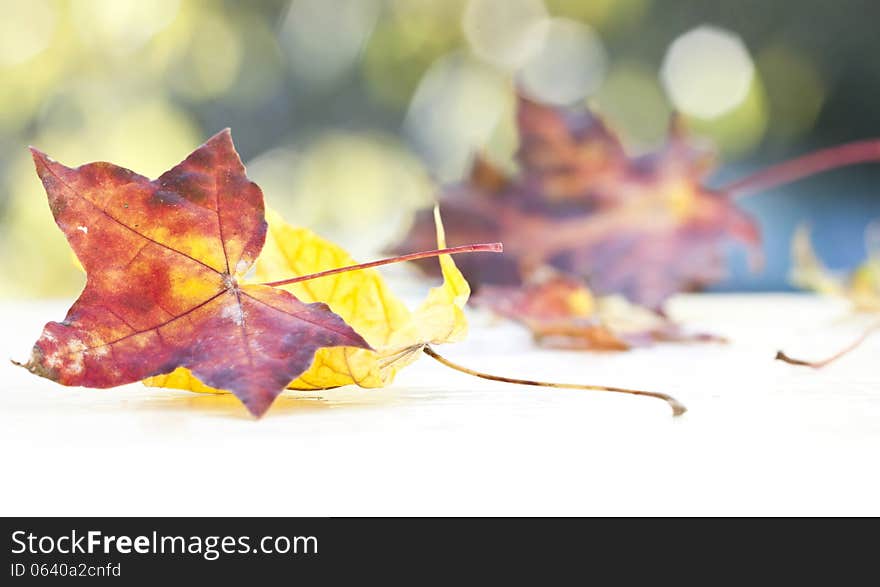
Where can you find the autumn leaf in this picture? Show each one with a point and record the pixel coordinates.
(808, 271)
(165, 263)
(561, 312)
(364, 301)
(861, 286)
(167, 298)
(644, 227)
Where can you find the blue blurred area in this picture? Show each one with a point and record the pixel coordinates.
(837, 206)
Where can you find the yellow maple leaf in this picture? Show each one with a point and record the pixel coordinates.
(363, 300)
(861, 287)
(808, 271)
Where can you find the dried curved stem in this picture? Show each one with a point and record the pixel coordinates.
(781, 356)
(677, 407)
(481, 248)
(853, 153)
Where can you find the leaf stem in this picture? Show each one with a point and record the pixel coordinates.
(677, 407)
(781, 356)
(811, 164)
(480, 248)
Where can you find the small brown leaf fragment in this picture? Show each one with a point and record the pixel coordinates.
(562, 313)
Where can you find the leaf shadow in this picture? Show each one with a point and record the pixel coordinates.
(288, 403)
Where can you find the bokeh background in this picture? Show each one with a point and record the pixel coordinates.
(349, 113)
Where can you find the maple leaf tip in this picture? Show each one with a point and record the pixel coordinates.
(258, 409)
(223, 136)
(42, 161)
(38, 155)
(224, 133)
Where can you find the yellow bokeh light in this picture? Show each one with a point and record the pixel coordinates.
(707, 72)
(634, 104)
(323, 40)
(794, 89)
(260, 72)
(505, 33)
(740, 129)
(351, 187)
(569, 66)
(211, 62)
(121, 26)
(26, 29)
(454, 111)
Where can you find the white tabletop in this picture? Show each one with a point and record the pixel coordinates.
(761, 437)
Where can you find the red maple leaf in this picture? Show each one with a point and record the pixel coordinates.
(165, 261)
(645, 227)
